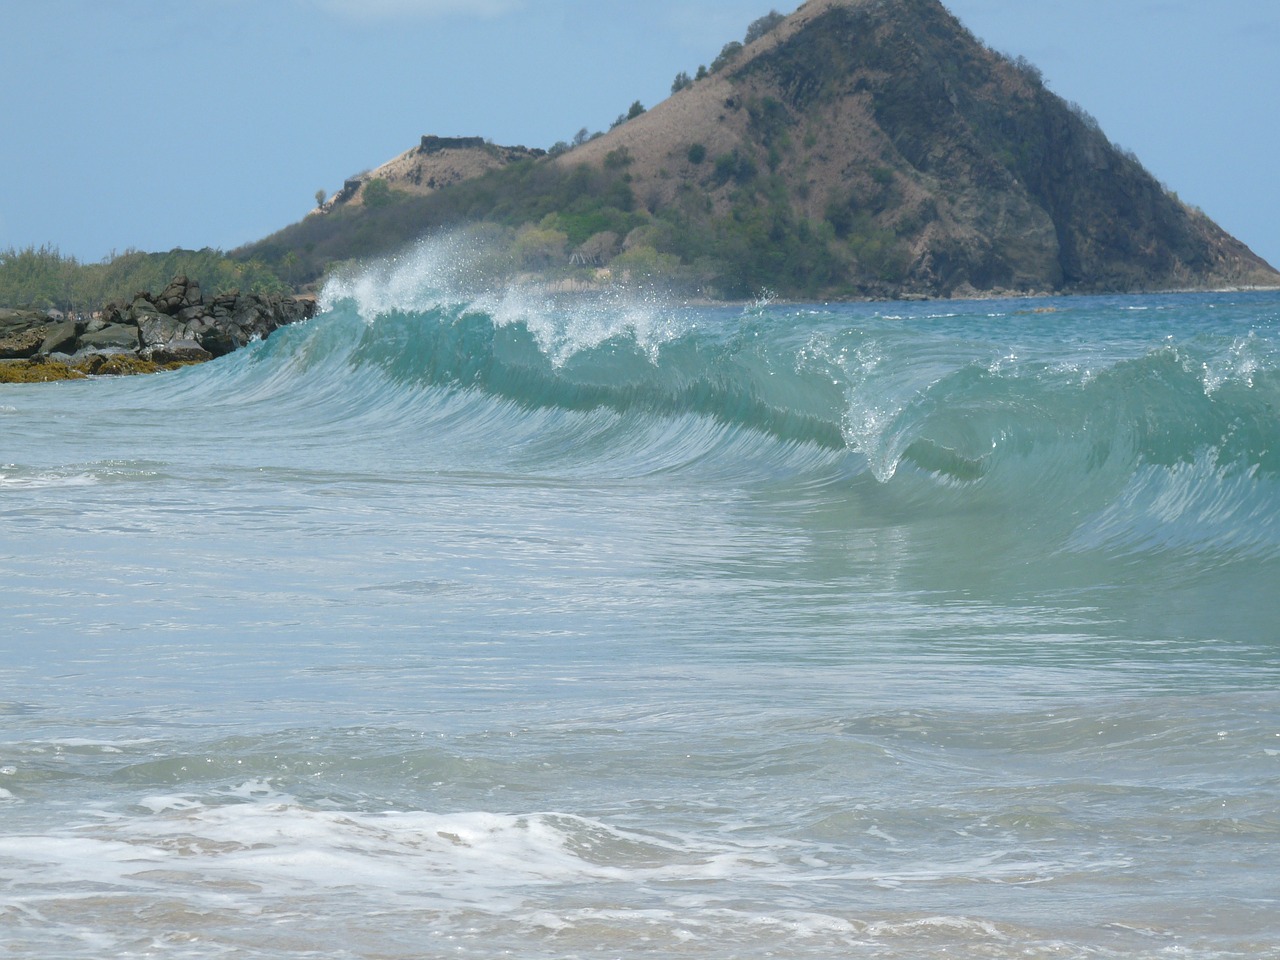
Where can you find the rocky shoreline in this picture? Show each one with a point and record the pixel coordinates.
(175, 328)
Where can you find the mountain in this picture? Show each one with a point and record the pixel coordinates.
(857, 148)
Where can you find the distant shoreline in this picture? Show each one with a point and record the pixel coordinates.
(174, 328)
(53, 366)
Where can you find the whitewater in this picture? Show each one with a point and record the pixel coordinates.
(456, 623)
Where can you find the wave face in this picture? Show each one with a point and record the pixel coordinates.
(1096, 423)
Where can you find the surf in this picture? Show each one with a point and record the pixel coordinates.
(1073, 424)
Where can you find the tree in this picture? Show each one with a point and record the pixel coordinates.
(727, 53)
(762, 26)
(538, 248)
(682, 81)
(321, 194)
(636, 109)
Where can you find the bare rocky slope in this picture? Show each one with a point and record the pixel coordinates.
(861, 148)
(436, 163)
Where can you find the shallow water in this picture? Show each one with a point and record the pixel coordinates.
(444, 626)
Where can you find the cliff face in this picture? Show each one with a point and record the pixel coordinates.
(886, 120)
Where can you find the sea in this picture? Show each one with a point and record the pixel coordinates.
(466, 623)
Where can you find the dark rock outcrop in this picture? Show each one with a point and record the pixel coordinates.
(175, 327)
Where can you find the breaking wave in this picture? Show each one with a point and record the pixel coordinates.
(1082, 415)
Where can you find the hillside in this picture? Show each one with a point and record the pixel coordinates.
(436, 163)
(859, 148)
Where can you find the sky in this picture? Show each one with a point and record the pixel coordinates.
(153, 124)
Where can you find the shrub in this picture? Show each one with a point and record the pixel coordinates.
(727, 54)
(617, 159)
(643, 262)
(764, 25)
(1029, 70)
(697, 153)
(537, 248)
(734, 166)
(376, 193)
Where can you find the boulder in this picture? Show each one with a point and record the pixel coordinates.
(115, 338)
(157, 329)
(142, 306)
(178, 351)
(181, 294)
(111, 313)
(21, 343)
(222, 337)
(61, 337)
(16, 321)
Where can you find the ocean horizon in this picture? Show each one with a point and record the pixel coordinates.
(472, 625)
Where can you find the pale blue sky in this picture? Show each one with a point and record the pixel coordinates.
(162, 123)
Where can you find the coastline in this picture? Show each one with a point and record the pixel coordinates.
(172, 329)
(176, 329)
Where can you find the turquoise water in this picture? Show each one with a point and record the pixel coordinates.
(458, 626)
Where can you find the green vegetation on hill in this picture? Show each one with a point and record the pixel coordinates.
(43, 278)
(559, 220)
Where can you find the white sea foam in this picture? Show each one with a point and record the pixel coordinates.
(1239, 365)
(44, 480)
(254, 837)
(568, 880)
(566, 327)
(449, 270)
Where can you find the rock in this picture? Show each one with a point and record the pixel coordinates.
(157, 330)
(178, 351)
(181, 294)
(13, 322)
(142, 306)
(115, 338)
(22, 343)
(111, 313)
(151, 333)
(61, 337)
(223, 337)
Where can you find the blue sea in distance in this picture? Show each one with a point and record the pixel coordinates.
(476, 626)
